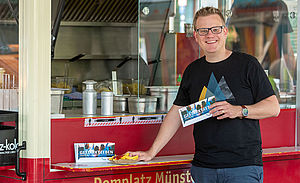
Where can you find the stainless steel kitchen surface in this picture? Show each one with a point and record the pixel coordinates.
(149, 43)
(104, 48)
(107, 33)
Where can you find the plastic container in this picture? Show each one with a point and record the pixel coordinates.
(62, 82)
(57, 95)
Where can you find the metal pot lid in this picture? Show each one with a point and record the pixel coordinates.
(136, 99)
(120, 98)
(106, 94)
(163, 88)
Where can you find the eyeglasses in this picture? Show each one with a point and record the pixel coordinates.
(214, 30)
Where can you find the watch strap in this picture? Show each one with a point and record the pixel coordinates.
(244, 107)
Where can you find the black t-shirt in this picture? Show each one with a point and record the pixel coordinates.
(228, 142)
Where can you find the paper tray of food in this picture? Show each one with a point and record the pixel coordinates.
(124, 159)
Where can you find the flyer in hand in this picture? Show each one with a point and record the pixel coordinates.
(196, 112)
(94, 152)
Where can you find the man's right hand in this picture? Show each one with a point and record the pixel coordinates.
(143, 155)
(166, 131)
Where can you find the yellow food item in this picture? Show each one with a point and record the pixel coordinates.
(134, 88)
(124, 157)
(64, 85)
(103, 89)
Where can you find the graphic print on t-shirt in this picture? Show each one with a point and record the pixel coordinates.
(220, 90)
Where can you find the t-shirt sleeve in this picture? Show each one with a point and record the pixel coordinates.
(258, 80)
(182, 98)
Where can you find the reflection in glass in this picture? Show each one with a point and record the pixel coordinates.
(262, 29)
(9, 54)
(166, 40)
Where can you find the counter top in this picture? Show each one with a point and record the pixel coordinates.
(105, 166)
(270, 154)
(133, 119)
(77, 113)
(281, 153)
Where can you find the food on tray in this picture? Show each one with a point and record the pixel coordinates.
(107, 86)
(134, 88)
(124, 159)
(61, 82)
(62, 85)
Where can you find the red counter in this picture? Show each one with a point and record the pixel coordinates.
(281, 158)
(280, 165)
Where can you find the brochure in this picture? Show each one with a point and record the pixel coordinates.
(94, 152)
(196, 112)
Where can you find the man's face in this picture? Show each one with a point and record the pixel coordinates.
(211, 43)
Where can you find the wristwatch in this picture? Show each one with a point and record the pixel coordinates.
(244, 111)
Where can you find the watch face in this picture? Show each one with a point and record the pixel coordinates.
(245, 112)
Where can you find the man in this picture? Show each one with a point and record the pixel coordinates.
(227, 145)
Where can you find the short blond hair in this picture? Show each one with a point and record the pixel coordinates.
(205, 12)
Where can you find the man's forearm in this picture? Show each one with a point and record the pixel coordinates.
(266, 108)
(167, 130)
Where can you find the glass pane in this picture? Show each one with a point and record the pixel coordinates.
(166, 47)
(165, 37)
(264, 29)
(268, 31)
(9, 54)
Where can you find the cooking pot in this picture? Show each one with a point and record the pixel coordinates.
(121, 104)
(144, 104)
(166, 96)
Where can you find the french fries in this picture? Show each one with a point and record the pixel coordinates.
(124, 157)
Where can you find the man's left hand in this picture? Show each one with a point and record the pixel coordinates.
(223, 110)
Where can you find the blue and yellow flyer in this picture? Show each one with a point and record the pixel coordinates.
(196, 112)
(94, 152)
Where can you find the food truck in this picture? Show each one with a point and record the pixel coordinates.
(101, 76)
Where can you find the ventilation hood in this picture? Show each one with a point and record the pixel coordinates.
(112, 11)
(9, 11)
